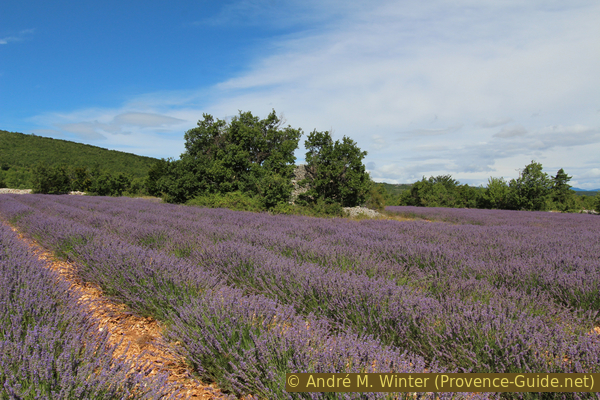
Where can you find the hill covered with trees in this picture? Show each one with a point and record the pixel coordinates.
(20, 154)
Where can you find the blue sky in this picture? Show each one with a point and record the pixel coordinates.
(472, 88)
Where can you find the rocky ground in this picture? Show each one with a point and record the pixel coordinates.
(15, 191)
(356, 211)
(27, 191)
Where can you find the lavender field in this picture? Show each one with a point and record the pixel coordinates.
(49, 346)
(253, 296)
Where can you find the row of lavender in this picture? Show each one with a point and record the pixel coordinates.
(556, 254)
(498, 217)
(49, 349)
(507, 332)
(246, 342)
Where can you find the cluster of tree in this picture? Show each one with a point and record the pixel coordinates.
(440, 191)
(59, 179)
(254, 158)
(20, 154)
(533, 190)
(14, 177)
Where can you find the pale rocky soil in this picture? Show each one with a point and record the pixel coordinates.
(28, 191)
(15, 191)
(356, 211)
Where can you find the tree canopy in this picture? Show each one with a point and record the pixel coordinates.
(335, 171)
(440, 191)
(530, 190)
(247, 154)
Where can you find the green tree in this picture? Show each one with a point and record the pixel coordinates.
(531, 189)
(496, 194)
(440, 191)
(155, 173)
(80, 179)
(378, 197)
(561, 194)
(248, 154)
(50, 180)
(335, 172)
(107, 184)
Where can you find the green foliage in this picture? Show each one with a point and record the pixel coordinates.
(107, 184)
(16, 177)
(562, 198)
(246, 202)
(248, 155)
(20, 154)
(136, 187)
(531, 189)
(335, 171)
(60, 179)
(320, 208)
(155, 173)
(232, 200)
(273, 189)
(50, 180)
(81, 180)
(378, 197)
(440, 191)
(179, 183)
(560, 186)
(496, 194)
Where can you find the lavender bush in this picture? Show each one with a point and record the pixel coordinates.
(49, 348)
(488, 292)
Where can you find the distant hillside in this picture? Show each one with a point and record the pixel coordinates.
(397, 188)
(585, 192)
(19, 153)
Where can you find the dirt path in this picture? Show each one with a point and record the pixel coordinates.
(137, 338)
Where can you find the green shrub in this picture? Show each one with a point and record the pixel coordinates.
(377, 197)
(334, 170)
(108, 184)
(233, 200)
(51, 180)
(321, 208)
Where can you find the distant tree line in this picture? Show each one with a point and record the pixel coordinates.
(533, 190)
(60, 179)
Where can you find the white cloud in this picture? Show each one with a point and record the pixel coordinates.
(85, 130)
(511, 132)
(145, 133)
(493, 123)
(19, 37)
(430, 132)
(145, 120)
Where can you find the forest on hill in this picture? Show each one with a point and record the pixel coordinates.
(21, 154)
